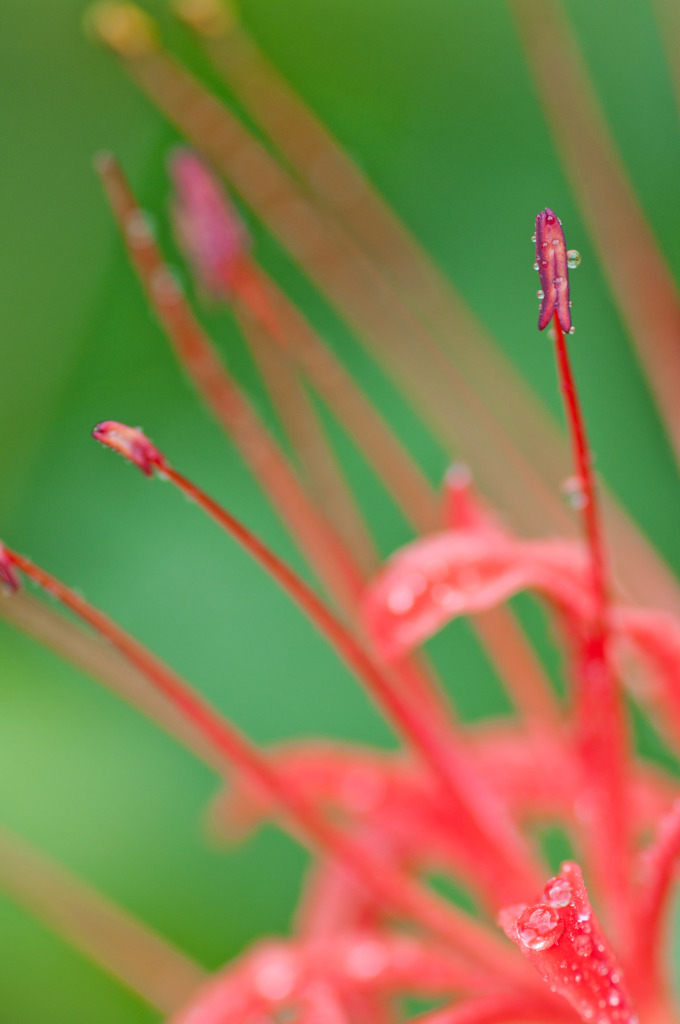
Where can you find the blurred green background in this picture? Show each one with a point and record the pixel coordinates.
(434, 99)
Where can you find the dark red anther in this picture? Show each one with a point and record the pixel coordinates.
(553, 271)
(132, 444)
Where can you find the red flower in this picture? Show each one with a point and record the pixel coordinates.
(370, 928)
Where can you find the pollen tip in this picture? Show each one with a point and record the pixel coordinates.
(9, 579)
(123, 27)
(458, 475)
(103, 161)
(552, 264)
(209, 18)
(131, 443)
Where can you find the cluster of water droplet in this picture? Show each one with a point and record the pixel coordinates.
(585, 975)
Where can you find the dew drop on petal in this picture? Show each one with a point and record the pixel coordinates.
(540, 294)
(573, 258)
(275, 976)
(582, 945)
(575, 496)
(366, 960)
(539, 927)
(558, 892)
(535, 266)
(572, 330)
(533, 238)
(400, 600)
(614, 998)
(448, 598)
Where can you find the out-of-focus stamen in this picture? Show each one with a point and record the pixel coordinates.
(323, 549)
(162, 975)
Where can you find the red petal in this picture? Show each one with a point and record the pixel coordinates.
(462, 572)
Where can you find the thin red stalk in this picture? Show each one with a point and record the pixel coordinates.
(497, 1008)
(433, 744)
(323, 549)
(636, 268)
(316, 456)
(668, 17)
(379, 877)
(659, 862)
(599, 710)
(157, 971)
(444, 399)
(583, 462)
(99, 660)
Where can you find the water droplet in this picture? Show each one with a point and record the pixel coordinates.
(582, 945)
(558, 892)
(539, 927)
(540, 294)
(400, 600)
(448, 598)
(550, 218)
(165, 285)
(555, 242)
(572, 330)
(575, 496)
(557, 280)
(139, 228)
(573, 258)
(535, 266)
(533, 238)
(544, 245)
(275, 976)
(366, 959)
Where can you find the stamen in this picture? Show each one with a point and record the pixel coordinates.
(101, 662)
(107, 934)
(479, 813)
(639, 276)
(378, 875)
(599, 711)
(658, 863)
